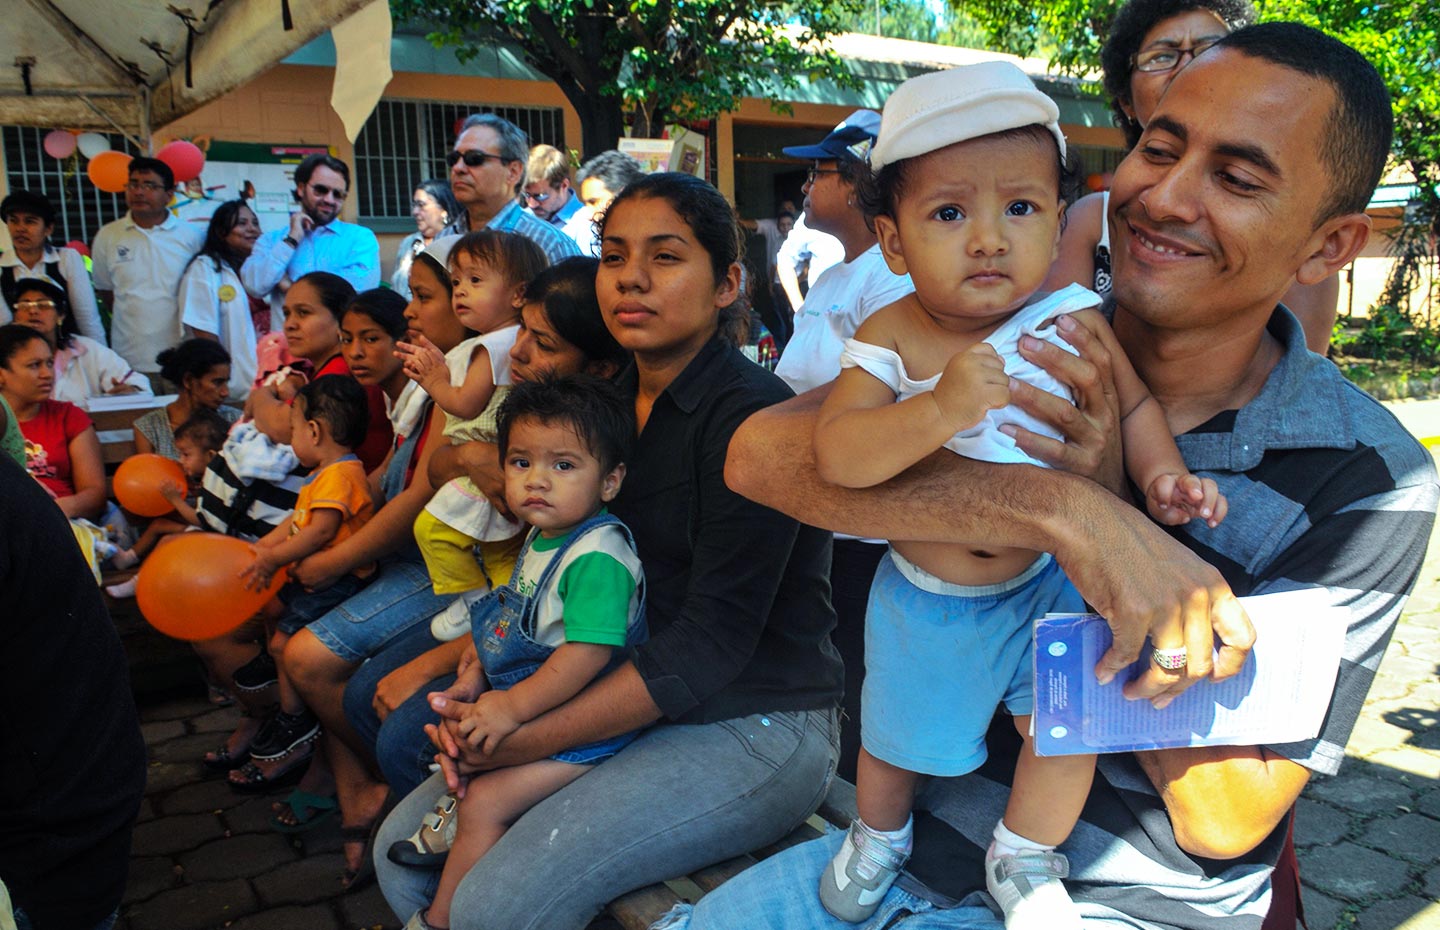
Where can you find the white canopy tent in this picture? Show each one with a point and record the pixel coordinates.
(131, 65)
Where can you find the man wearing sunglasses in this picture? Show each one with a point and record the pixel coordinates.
(316, 240)
(487, 167)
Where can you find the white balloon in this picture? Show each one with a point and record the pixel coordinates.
(92, 144)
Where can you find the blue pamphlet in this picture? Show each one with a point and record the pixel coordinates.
(1280, 696)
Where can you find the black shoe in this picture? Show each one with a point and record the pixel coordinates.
(257, 674)
(283, 732)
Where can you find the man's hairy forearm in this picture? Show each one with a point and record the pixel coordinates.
(943, 498)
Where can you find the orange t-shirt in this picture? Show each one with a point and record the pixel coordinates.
(343, 487)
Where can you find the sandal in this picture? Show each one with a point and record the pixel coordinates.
(221, 760)
(429, 846)
(284, 732)
(309, 811)
(253, 780)
(364, 874)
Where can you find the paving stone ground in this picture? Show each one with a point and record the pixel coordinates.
(1368, 839)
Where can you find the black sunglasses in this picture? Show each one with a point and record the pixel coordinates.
(473, 158)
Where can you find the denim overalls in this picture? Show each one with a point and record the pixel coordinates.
(503, 625)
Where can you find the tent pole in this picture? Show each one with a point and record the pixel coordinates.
(118, 128)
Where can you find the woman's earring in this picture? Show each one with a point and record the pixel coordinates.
(444, 217)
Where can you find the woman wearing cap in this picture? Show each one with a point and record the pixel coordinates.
(1150, 42)
(842, 298)
(84, 368)
(30, 220)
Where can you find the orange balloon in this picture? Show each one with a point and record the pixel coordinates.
(1095, 182)
(109, 171)
(139, 479)
(190, 587)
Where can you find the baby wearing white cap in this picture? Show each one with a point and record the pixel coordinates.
(965, 198)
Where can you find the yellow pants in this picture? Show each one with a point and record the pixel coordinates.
(450, 557)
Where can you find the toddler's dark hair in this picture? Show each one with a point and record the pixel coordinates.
(339, 402)
(515, 257)
(594, 408)
(206, 428)
(877, 192)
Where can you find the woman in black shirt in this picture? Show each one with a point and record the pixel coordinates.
(739, 676)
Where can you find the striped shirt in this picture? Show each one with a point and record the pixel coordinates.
(1326, 490)
(514, 218)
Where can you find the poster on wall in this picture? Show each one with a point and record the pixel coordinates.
(262, 173)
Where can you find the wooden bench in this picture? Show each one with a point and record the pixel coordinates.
(642, 907)
(114, 419)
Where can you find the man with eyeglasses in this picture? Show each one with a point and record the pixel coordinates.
(316, 240)
(487, 167)
(138, 260)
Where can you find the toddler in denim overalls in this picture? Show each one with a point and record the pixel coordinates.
(574, 605)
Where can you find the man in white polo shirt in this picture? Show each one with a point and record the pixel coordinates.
(138, 260)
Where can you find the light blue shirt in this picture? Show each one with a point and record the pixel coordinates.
(338, 247)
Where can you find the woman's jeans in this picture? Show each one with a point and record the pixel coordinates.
(677, 799)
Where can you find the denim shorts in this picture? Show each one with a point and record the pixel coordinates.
(399, 597)
(940, 657)
(302, 607)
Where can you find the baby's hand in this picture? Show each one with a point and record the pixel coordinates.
(1174, 499)
(489, 721)
(258, 573)
(973, 383)
(423, 361)
(172, 492)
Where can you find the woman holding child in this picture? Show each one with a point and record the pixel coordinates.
(200, 368)
(737, 684)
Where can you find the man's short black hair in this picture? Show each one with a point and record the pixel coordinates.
(306, 168)
(594, 408)
(1361, 125)
(21, 201)
(339, 402)
(154, 166)
(205, 428)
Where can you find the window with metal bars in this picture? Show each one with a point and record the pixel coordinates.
(80, 207)
(405, 141)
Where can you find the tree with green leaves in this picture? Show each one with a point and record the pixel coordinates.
(1400, 37)
(659, 61)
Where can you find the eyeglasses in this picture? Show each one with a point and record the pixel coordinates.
(23, 305)
(474, 158)
(325, 190)
(148, 187)
(538, 198)
(1166, 58)
(814, 173)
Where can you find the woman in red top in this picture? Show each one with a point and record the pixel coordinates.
(314, 306)
(62, 450)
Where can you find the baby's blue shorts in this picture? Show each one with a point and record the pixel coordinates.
(940, 657)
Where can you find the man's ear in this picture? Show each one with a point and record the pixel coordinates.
(889, 235)
(1333, 246)
(610, 486)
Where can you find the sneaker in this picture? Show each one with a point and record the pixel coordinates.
(124, 589)
(417, 921)
(1028, 889)
(257, 674)
(429, 845)
(283, 732)
(855, 881)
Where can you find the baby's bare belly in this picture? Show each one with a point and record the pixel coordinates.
(967, 564)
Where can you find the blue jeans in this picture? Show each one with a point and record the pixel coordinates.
(678, 798)
(398, 599)
(403, 750)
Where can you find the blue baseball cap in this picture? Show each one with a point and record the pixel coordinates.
(853, 138)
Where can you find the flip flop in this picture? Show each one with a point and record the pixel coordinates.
(357, 878)
(310, 811)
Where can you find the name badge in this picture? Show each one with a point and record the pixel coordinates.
(227, 292)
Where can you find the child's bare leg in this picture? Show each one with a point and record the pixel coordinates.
(493, 801)
(158, 529)
(1048, 793)
(884, 793)
(1022, 870)
(878, 843)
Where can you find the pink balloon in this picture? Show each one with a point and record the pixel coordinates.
(184, 158)
(59, 143)
(78, 246)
